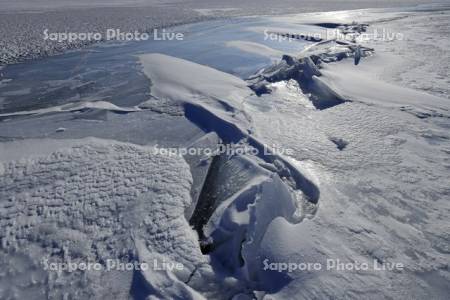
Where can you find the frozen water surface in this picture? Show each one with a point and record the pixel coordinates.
(362, 179)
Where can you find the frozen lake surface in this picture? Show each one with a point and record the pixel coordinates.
(111, 71)
(339, 153)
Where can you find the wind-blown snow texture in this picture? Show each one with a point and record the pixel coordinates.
(88, 201)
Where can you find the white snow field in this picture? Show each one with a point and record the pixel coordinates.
(339, 160)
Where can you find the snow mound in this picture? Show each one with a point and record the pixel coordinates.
(255, 48)
(236, 203)
(182, 80)
(187, 82)
(92, 200)
(373, 90)
(71, 107)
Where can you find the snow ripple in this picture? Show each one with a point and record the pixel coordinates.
(90, 200)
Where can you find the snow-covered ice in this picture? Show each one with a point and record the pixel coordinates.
(70, 107)
(340, 152)
(90, 200)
